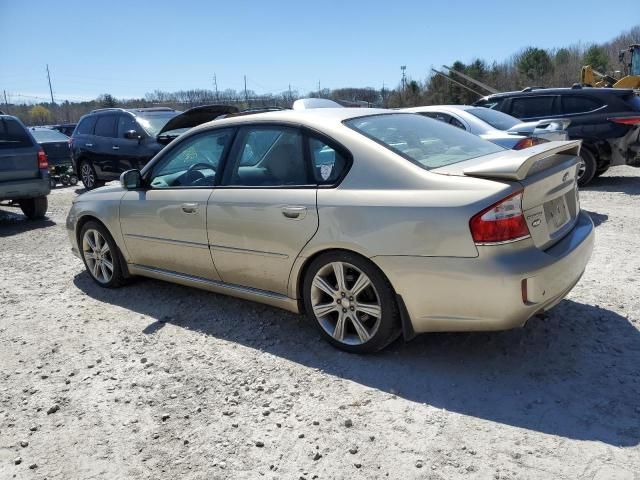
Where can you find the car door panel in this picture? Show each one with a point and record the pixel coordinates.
(256, 234)
(166, 229)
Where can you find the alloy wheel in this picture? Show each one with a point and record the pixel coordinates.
(97, 254)
(582, 167)
(88, 177)
(346, 303)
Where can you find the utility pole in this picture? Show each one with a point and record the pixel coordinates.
(404, 77)
(50, 89)
(215, 85)
(319, 91)
(6, 104)
(246, 97)
(290, 96)
(384, 103)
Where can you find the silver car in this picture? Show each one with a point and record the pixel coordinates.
(495, 126)
(375, 223)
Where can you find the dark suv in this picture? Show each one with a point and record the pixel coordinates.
(607, 120)
(24, 169)
(109, 141)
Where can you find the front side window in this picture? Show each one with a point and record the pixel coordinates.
(530, 107)
(328, 163)
(426, 142)
(194, 162)
(126, 123)
(152, 124)
(268, 156)
(106, 126)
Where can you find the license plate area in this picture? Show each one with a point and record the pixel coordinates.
(556, 213)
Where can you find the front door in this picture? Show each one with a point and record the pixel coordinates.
(265, 210)
(164, 225)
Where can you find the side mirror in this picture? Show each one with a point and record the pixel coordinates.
(131, 179)
(131, 135)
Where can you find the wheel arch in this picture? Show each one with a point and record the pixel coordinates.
(82, 221)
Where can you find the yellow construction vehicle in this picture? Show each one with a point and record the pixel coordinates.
(631, 72)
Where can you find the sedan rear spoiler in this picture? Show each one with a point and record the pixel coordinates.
(516, 164)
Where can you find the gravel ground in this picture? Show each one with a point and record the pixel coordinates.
(161, 381)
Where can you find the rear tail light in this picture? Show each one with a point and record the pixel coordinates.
(625, 120)
(501, 222)
(43, 161)
(529, 142)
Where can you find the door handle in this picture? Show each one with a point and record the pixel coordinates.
(115, 147)
(190, 208)
(88, 144)
(294, 212)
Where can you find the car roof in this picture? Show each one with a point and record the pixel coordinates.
(560, 91)
(433, 108)
(317, 117)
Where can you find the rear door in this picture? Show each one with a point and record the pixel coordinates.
(18, 151)
(265, 211)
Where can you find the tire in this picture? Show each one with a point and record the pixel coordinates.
(52, 182)
(89, 176)
(34, 208)
(97, 265)
(73, 179)
(601, 170)
(336, 311)
(588, 170)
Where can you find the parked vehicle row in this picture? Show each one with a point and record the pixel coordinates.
(376, 223)
(607, 120)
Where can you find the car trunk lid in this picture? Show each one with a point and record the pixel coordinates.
(58, 153)
(547, 174)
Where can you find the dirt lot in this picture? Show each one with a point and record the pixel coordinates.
(162, 381)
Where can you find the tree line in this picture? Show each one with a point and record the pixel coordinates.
(531, 66)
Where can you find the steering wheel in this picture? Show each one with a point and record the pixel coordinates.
(193, 173)
(193, 168)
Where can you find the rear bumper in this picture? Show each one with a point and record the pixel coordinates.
(486, 292)
(21, 189)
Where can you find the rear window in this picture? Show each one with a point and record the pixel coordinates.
(498, 120)
(13, 134)
(529, 107)
(85, 127)
(575, 104)
(426, 142)
(49, 136)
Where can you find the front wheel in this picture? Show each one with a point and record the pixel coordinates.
(34, 208)
(351, 302)
(101, 255)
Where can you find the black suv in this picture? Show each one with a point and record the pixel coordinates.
(607, 120)
(109, 141)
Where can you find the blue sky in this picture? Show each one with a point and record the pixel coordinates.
(128, 48)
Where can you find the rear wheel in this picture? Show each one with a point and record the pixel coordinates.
(101, 255)
(586, 167)
(601, 170)
(34, 208)
(88, 176)
(351, 302)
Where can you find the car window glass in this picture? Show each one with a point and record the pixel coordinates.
(529, 107)
(268, 156)
(575, 104)
(86, 126)
(42, 135)
(106, 126)
(457, 123)
(495, 118)
(443, 117)
(328, 164)
(13, 135)
(126, 123)
(194, 162)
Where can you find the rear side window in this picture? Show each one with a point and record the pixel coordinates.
(106, 126)
(13, 134)
(529, 107)
(328, 163)
(85, 127)
(575, 104)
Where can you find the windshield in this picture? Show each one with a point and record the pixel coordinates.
(426, 142)
(152, 124)
(498, 120)
(49, 136)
